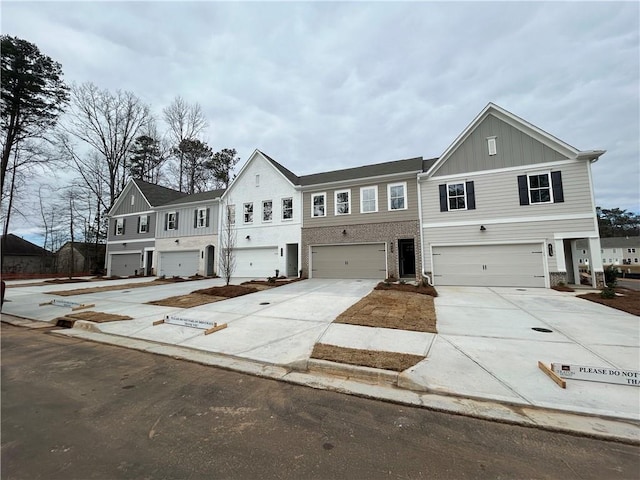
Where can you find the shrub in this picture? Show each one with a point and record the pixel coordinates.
(608, 292)
(611, 276)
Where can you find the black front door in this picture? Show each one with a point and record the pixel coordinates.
(407, 257)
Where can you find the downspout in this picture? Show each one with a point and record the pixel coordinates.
(424, 275)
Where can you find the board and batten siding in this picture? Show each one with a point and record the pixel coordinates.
(139, 202)
(186, 220)
(355, 217)
(514, 148)
(496, 196)
(131, 228)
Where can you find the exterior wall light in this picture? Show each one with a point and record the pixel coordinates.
(482, 229)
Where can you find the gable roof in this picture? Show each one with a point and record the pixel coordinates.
(14, 245)
(410, 165)
(520, 124)
(292, 177)
(196, 197)
(157, 194)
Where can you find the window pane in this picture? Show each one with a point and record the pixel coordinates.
(545, 196)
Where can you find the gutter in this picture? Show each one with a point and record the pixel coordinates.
(591, 155)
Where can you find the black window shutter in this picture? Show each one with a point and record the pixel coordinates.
(523, 189)
(124, 223)
(139, 224)
(556, 182)
(166, 220)
(207, 220)
(471, 196)
(443, 198)
(148, 222)
(195, 218)
(176, 227)
(115, 226)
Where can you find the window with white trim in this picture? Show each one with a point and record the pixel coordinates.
(397, 195)
(369, 199)
(631, 250)
(457, 196)
(248, 212)
(119, 230)
(287, 208)
(343, 202)
(171, 221)
(492, 146)
(540, 188)
(133, 199)
(201, 218)
(267, 211)
(318, 204)
(143, 224)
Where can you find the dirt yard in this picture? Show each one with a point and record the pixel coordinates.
(389, 308)
(393, 361)
(626, 300)
(125, 286)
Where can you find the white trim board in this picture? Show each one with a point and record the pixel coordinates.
(502, 221)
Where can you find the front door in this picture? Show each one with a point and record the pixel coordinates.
(210, 260)
(407, 257)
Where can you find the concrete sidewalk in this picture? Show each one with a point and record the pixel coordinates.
(484, 358)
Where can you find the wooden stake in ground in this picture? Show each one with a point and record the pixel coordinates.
(158, 322)
(215, 328)
(552, 375)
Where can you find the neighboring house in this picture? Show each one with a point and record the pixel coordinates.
(264, 204)
(187, 235)
(617, 251)
(87, 257)
(132, 227)
(22, 256)
(362, 222)
(505, 205)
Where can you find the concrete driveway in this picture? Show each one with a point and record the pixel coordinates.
(486, 348)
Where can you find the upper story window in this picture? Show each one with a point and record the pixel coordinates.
(267, 211)
(201, 218)
(248, 212)
(231, 214)
(457, 196)
(257, 180)
(397, 193)
(318, 204)
(368, 199)
(343, 202)
(171, 221)
(119, 229)
(287, 208)
(492, 146)
(540, 188)
(631, 250)
(133, 199)
(143, 224)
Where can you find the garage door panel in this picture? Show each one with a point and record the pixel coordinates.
(256, 262)
(179, 264)
(124, 265)
(489, 265)
(349, 261)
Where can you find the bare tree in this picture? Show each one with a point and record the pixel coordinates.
(108, 123)
(228, 242)
(185, 122)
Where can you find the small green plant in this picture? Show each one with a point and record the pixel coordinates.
(271, 280)
(608, 292)
(402, 282)
(611, 276)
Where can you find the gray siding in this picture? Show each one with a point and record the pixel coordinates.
(186, 221)
(135, 247)
(125, 206)
(382, 215)
(514, 148)
(497, 197)
(131, 228)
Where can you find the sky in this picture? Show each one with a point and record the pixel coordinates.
(328, 85)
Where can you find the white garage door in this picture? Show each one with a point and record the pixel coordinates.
(124, 265)
(517, 265)
(179, 264)
(349, 261)
(256, 262)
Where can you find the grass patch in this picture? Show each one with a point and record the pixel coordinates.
(393, 361)
(393, 309)
(626, 300)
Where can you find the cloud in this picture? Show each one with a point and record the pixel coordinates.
(322, 86)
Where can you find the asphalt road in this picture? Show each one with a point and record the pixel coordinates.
(73, 409)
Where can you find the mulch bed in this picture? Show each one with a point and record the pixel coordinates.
(562, 288)
(626, 300)
(187, 301)
(407, 287)
(125, 286)
(227, 291)
(393, 309)
(393, 361)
